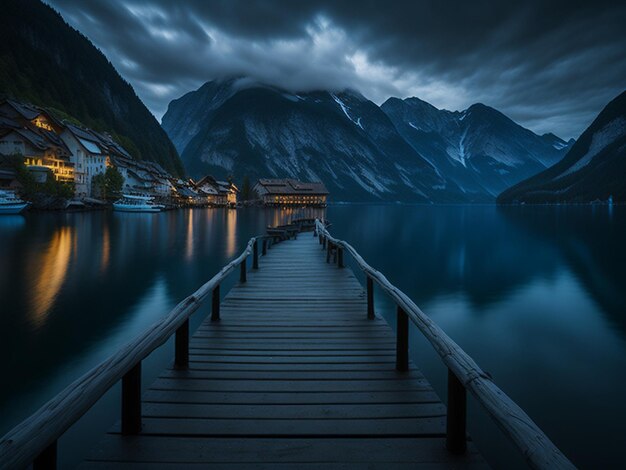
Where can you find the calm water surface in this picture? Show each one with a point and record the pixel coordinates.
(536, 295)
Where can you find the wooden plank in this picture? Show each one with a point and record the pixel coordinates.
(291, 386)
(292, 451)
(301, 411)
(233, 426)
(269, 398)
(289, 367)
(292, 375)
(98, 465)
(275, 358)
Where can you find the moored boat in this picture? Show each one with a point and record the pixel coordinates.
(132, 203)
(10, 203)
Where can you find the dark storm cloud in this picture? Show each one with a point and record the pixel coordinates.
(549, 65)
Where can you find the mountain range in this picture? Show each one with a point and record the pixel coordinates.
(404, 150)
(480, 149)
(594, 169)
(46, 62)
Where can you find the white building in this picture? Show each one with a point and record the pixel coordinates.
(90, 158)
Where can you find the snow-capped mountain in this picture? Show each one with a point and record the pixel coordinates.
(593, 169)
(407, 150)
(479, 149)
(341, 138)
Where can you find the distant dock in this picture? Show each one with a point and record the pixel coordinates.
(293, 368)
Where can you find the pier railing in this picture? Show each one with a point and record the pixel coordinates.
(463, 372)
(35, 439)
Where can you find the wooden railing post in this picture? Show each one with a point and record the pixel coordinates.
(215, 305)
(457, 415)
(402, 341)
(264, 247)
(329, 248)
(370, 298)
(324, 242)
(255, 255)
(47, 460)
(242, 271)
(131, 401)
(181, 346)
(339, 257)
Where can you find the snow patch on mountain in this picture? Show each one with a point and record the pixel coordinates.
(560, 145)
(605, 136)
(345, 108)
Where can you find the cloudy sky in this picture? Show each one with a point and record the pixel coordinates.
(549, 65)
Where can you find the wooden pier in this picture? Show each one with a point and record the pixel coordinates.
(292, 369)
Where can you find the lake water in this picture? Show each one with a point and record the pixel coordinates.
(536, 295)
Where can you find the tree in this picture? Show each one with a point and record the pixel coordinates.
(114, 181)
(245, 189)
(108, 185)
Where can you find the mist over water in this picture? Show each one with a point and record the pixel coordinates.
(534, 294)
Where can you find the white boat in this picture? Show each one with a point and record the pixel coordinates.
(132, 203)
(10, 203)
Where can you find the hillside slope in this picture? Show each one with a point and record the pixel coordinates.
(46, 62)
(594, 168)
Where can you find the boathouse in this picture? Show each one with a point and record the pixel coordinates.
(219, 193)
(291, 192)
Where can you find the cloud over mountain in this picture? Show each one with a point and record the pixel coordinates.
(549, 65)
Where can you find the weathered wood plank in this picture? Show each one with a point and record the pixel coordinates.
(269, 398)
(292, 451)
(291, 386)
(233, 426)
(300, 411)
(291, 375)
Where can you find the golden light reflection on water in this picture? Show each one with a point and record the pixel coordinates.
(189, 241)
(231, 232)
(106, 249)
(48, 271)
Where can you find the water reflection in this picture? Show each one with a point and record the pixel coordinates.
(231, 231)
(47, 272)
(106, 248)
(189, 249)
(536, 295)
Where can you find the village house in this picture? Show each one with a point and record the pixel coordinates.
(26, 131)
(218, 193)
(89, 157)
(76, 154)
(146, 178)
(291, 192)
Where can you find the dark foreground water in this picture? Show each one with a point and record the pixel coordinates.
(537, 295)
